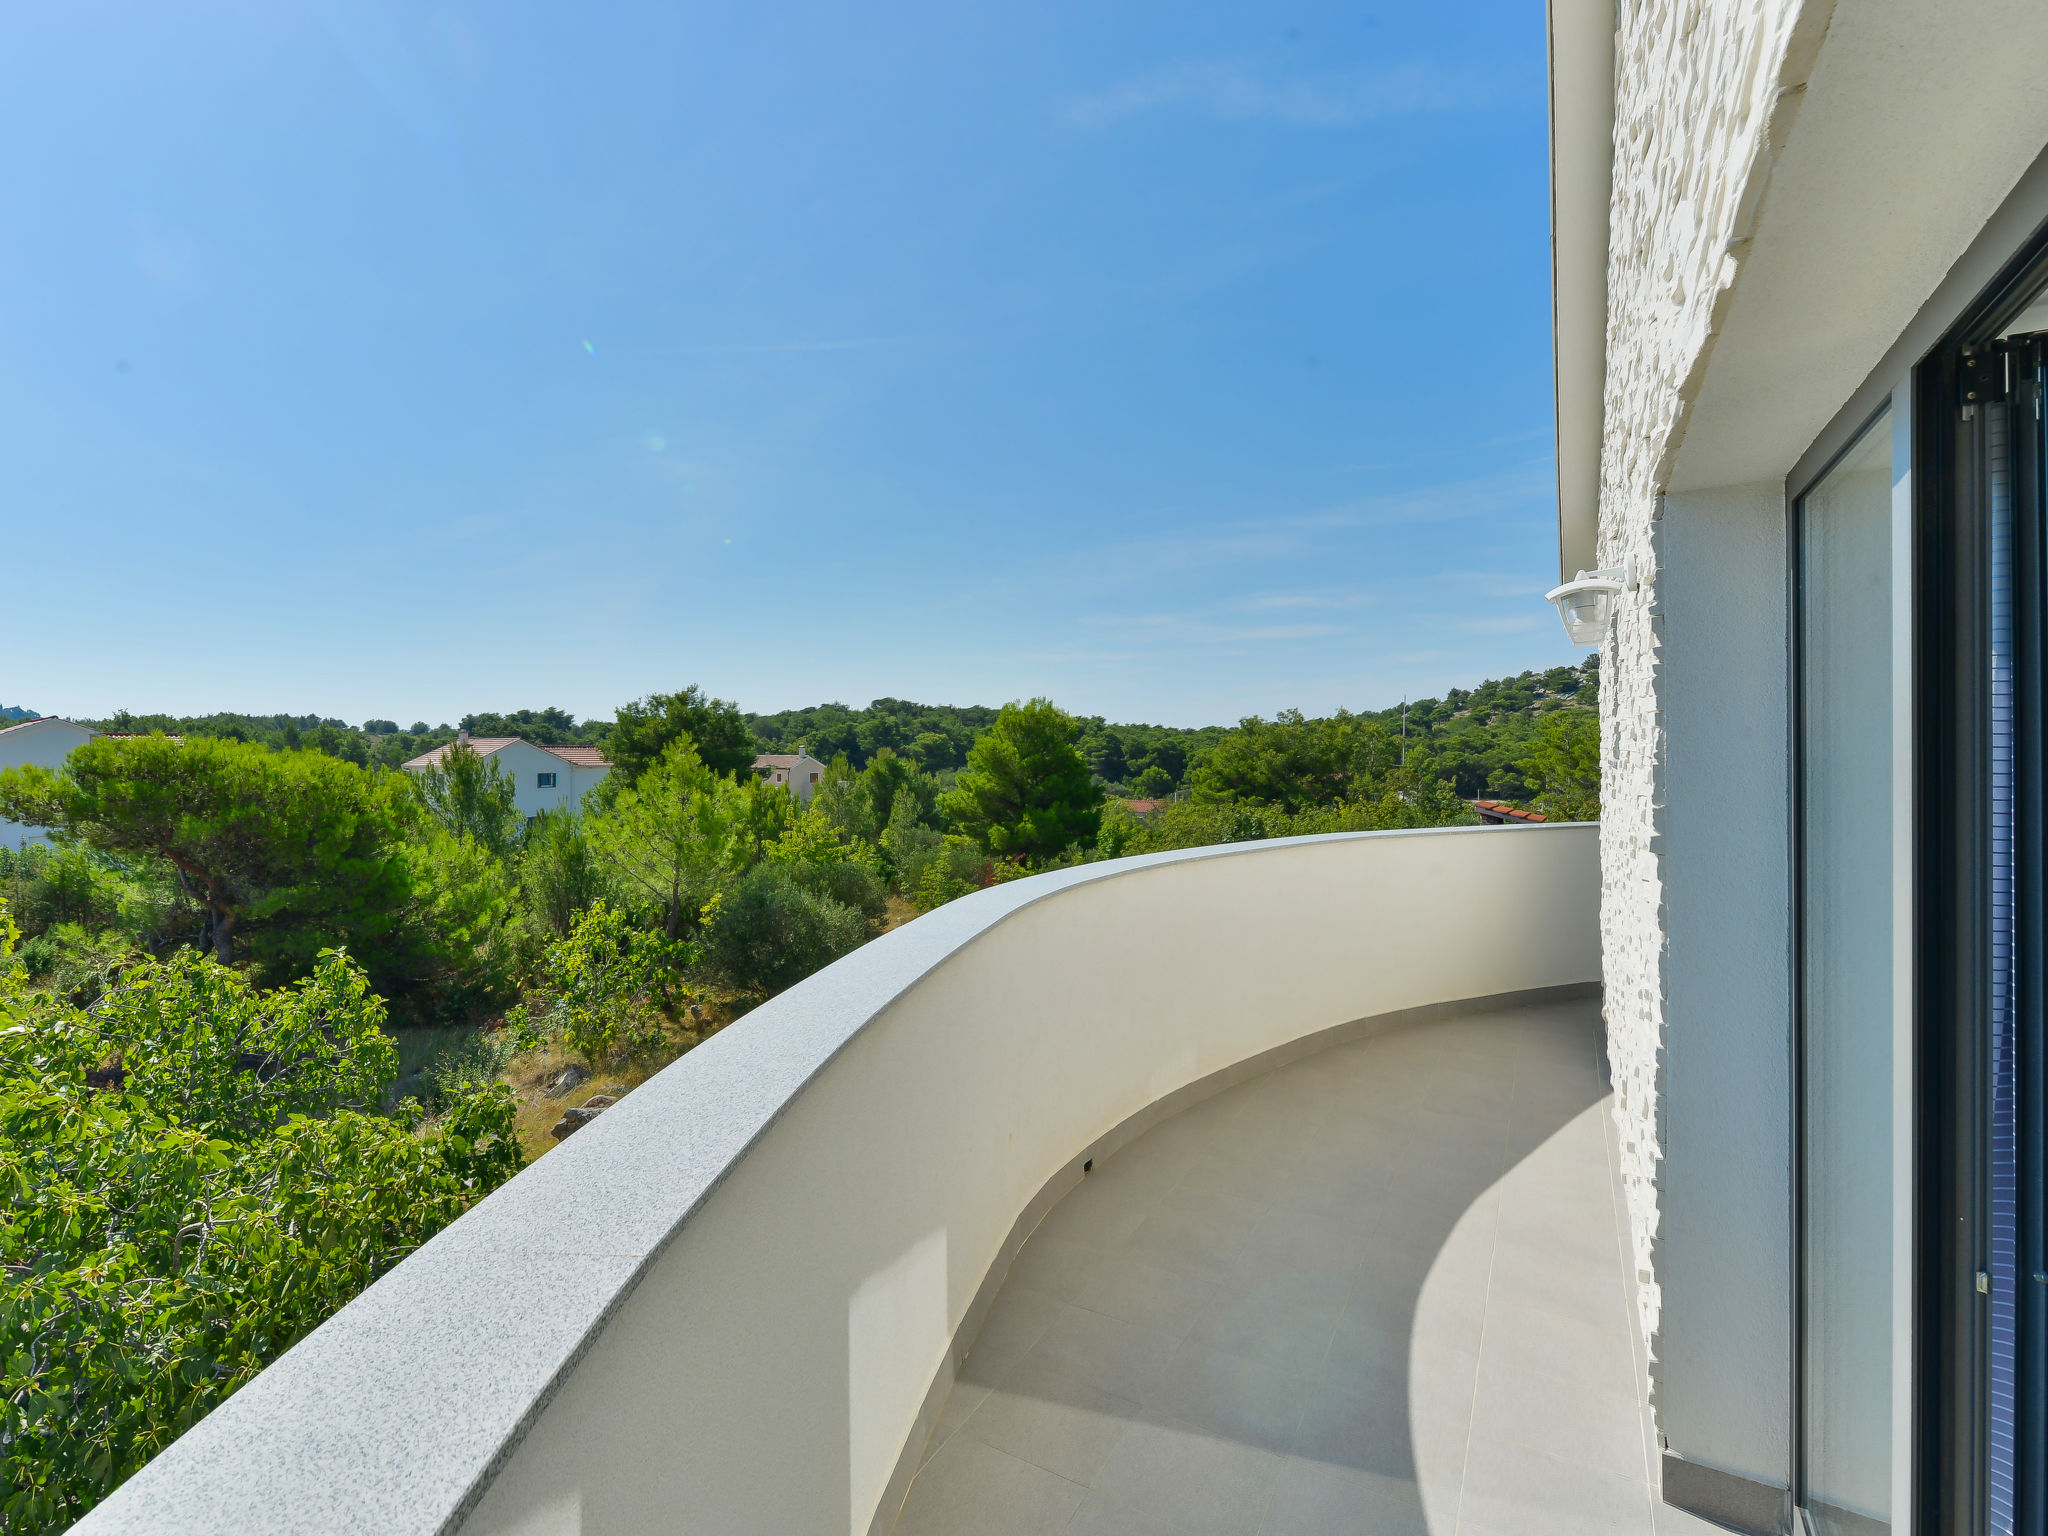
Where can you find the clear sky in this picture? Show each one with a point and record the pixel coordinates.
(404, 359)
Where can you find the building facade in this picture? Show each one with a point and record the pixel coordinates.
(798, 771)
(45, 743)
(544, 778)
(1800, 249)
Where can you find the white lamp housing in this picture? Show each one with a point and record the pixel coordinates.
(1587, 604)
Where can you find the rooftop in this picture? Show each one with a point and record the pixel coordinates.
(485, 746)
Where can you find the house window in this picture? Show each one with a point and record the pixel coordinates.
(544, 781)
(814, 778)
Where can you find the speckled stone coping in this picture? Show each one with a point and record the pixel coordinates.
(393, 1416)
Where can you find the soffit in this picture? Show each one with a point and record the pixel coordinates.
(1917, 121)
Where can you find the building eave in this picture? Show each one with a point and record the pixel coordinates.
(1581, 36)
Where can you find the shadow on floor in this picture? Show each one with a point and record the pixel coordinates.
(1379, 1289)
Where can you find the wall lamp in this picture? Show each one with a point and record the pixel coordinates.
(1587, 604)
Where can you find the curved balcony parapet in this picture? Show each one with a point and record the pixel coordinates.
(731, 1302)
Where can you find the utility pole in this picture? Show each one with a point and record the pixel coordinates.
(1404, 733)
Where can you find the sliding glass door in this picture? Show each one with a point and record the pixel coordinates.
(1846, 1070)
(1980, 1271)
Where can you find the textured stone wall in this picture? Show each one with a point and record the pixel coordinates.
(1705, 93)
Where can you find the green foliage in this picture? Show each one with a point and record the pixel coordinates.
(464, 948)
(932, 737)
(645, 729)
(75, 962)
(192, 1185)
(134, 896)
(1563, 766)
(677, 836)
(1026, 793)
(864, 803)
(1294, 763)
(559, 872)
(550, 727)
(614, 982)
(473, 797)
(770, 931)
(817, 856)
(292, 851)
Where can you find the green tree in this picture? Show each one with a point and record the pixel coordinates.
(1026, 792)
(194, 1181)
(1294, 762)
(645, 728)
(677, 835)
(294, 851)
(472, 797)
(1563, 765)
(464, 951)
(559, 872)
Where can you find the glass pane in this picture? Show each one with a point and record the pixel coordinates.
(1846, 642)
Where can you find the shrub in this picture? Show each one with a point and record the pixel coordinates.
(614, 983)
(192, 1185)
(770, 931)
(850, 884)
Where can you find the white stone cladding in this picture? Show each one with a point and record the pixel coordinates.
(1705, 93)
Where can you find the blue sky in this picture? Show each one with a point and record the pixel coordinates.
(401, 360)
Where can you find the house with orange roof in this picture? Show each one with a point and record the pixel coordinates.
(798, 771)
(545, 778)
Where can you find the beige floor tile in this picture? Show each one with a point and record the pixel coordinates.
(1589, 1354)
(1230, 1398)
(1188, 1480)
(1098, 1351)
(1382, 1290)
(1285, 1326)
(1049, 1262)
(960, 1404)
(1313, 1498)
(1016, 1321)
(1599, 1429)
(1145, 1294)
(1513, 1491)
(1064, 1426)
(970, 1489)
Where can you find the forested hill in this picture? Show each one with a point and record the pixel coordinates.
(1476, 736)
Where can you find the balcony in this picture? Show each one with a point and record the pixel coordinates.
(1264, 1188)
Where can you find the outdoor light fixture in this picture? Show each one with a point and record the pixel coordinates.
(1587, 604)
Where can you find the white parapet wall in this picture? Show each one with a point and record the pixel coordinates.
(726, 1306)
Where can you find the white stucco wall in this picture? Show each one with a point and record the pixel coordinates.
(525, 762)
(1721, 1249)
(45, 743)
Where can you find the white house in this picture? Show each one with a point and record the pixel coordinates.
(46, 743)
(799, 770)
(545, 778)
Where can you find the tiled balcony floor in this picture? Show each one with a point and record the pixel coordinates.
(1378, 1290)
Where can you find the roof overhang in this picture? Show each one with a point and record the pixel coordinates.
(1581, 189)
(1914, 123)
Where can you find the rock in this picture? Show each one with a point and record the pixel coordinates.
(574, 1120)
(570, 1077)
